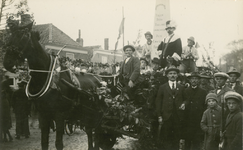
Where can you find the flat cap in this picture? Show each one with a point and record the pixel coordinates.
(221, 74)
(194, 74)
(211, 96)
(233, 71)
(234, 95)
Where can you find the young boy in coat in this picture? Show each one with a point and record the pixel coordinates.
(233, 126)
(211, 122)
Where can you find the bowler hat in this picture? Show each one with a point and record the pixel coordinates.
(234, 95)
(194, 74)
(234, 71)
(155, 60)
(149, 33)
(221, 74)
(192, 39)
(144, 60)
(128, 46)
(172, 68)
(211, 96)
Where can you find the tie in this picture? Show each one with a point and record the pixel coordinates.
(173, 86)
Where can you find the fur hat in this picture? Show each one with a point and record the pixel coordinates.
(211, 96)
(234, 71)
(127, 46)
(234, 95)
(221, 74)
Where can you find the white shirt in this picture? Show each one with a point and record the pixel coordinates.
(171, 84)
(127, 59)
(218, 90)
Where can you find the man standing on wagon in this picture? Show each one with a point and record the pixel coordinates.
(130, 71)
(170, 108)
(171, 46)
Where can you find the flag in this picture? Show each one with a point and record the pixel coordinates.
(121, 31)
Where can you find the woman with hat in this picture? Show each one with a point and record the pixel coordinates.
(233, 76)
(171, 46)
(147, 47)
(144, 68)
(233, 126)
(189, 56)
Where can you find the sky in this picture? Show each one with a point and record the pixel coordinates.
(218, 21)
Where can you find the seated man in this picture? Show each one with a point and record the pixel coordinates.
(129, 71)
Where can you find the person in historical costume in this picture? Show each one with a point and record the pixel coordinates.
(233, 126)
(234, 84)
(129, 71)
(21, 108)
(193, 112)
(171, 47)
(147, 47)
(189, 56)
(211, 123)
(205, 82)
(170, 108)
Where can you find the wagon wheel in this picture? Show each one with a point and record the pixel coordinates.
(70, 128)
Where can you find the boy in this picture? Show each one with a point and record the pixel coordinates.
(211, 122)
(233, 126)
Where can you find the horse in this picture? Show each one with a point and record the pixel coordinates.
(54, 99)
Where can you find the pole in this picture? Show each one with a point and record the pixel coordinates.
(123, 26)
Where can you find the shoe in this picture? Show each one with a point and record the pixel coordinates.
(17, 137)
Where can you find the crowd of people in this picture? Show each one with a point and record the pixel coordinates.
(197, 112)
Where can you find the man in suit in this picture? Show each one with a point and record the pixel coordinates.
(130, 71)
(205, 82)
(220, 90)
(233, 76)
(194, 111)
(170, 108)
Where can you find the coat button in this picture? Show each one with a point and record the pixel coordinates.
(213, 115)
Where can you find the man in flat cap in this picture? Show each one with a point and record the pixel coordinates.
(147, 47)
(130, 70)
(171, 46)
(193, 112)
(233, 126)
(170, 108)
(234, 84)
(189, 56)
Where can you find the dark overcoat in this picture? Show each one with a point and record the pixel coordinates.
(233, 134)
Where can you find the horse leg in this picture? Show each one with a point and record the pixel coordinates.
(59, 119)
(45, 130)
(90, 138)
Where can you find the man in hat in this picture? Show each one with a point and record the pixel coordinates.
(147, 47)
(171, 47)
(21, 108)
(144, 68)
(205, 82)
(193, 112)
(129, 71)
(233, 126)
(233, 76)
(189, 56)
(170, 108)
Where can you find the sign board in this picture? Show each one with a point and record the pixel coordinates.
(162, 14)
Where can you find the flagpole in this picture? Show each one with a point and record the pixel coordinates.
(123, 28)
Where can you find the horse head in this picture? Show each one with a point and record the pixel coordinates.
(17, 43)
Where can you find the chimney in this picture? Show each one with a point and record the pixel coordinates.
(79, 39)
(50, 33)
(106, 44)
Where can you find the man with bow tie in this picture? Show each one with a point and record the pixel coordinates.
(233, 76)
(170, 108)
(196, 105)
(130, 71)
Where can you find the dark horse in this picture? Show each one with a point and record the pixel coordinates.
(54, 99)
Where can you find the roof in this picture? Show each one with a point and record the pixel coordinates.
(56, 36)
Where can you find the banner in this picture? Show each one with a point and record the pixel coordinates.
(121, 31)
(162, 14)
